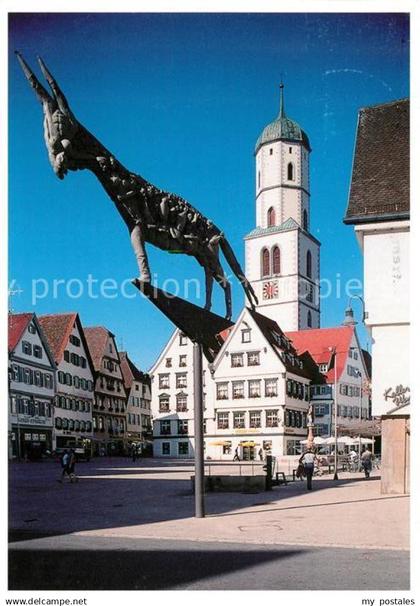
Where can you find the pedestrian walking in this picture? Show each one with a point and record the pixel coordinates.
(64, 465)
(72, 466)
(367, 461)
(308, 460)
(134, 452)
(236, 455)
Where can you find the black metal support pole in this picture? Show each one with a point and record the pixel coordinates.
(198, 431)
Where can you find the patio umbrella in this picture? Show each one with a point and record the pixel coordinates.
(340, 439)
(317, 441)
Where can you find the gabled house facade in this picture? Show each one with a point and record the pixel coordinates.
(73, 426)
(261, 390)
(173, 399)
(340, 359)
(31, 370)
(139, 414)
(109, 408)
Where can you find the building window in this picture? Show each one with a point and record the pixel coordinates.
(168, 362)
(183, 360)
(182, 339)
(293, 447)
(255, 419)
(222, 420)
(32, 329)
(271, 151)
(239, 420)
(246, 335)
(236, 360)
(276, 260)
(164, 381)
(271, 217)
(310, 293)
(26, 348)
(74, 340)
(309, 264)
(181, 402)
(181, 380)
(259, 179)
(182, 448)
(165, 428)
(309, 319)
(253, 358)
(271, 418)
(290, 172)
(166, 448)
(163, 403)
(222, 391)
(254, 388)
(270, 388)
(238, 391)
(37, 351)
(265, 262)
(183, 427)
(305, 219)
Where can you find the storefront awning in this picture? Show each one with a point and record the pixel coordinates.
(220, 443)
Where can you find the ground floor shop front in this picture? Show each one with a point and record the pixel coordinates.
(30, 442)
(231, 447)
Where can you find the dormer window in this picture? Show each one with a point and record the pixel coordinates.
(246, 335)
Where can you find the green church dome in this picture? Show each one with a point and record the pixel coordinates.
(282, 129)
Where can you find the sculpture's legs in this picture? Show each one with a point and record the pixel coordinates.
(221, 279)
(137, 242)
(209, 288)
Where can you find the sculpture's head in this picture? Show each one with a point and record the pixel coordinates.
(61, 129)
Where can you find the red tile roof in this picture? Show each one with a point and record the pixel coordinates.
(16, 327)
(130, 371)
(317, 342)
(57, 329)
(97, 338)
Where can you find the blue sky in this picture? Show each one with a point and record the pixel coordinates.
(181, 100)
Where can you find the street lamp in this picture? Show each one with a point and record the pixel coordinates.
(349, 314)
(359, 374)
(334, 352)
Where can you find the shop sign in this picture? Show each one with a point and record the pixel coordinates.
(28, 420)
(398, 395)
(245, 431)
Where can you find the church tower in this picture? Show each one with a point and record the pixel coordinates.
(281, 255)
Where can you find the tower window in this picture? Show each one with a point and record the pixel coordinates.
(290, 172)
(259, 179)
(265, 262)
(305, 219)
(290, 150)
(309, 264)
(276, 260)
(309, 319)
(271, 217)
(271, 151)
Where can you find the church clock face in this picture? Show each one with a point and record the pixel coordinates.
(270, 290)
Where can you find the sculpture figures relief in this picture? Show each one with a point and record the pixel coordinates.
(151, 215)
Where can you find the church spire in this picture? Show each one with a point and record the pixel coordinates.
(282, 112)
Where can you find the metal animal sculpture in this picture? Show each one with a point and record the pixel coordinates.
(151, 215)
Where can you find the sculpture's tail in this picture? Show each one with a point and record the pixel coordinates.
(237, 270)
